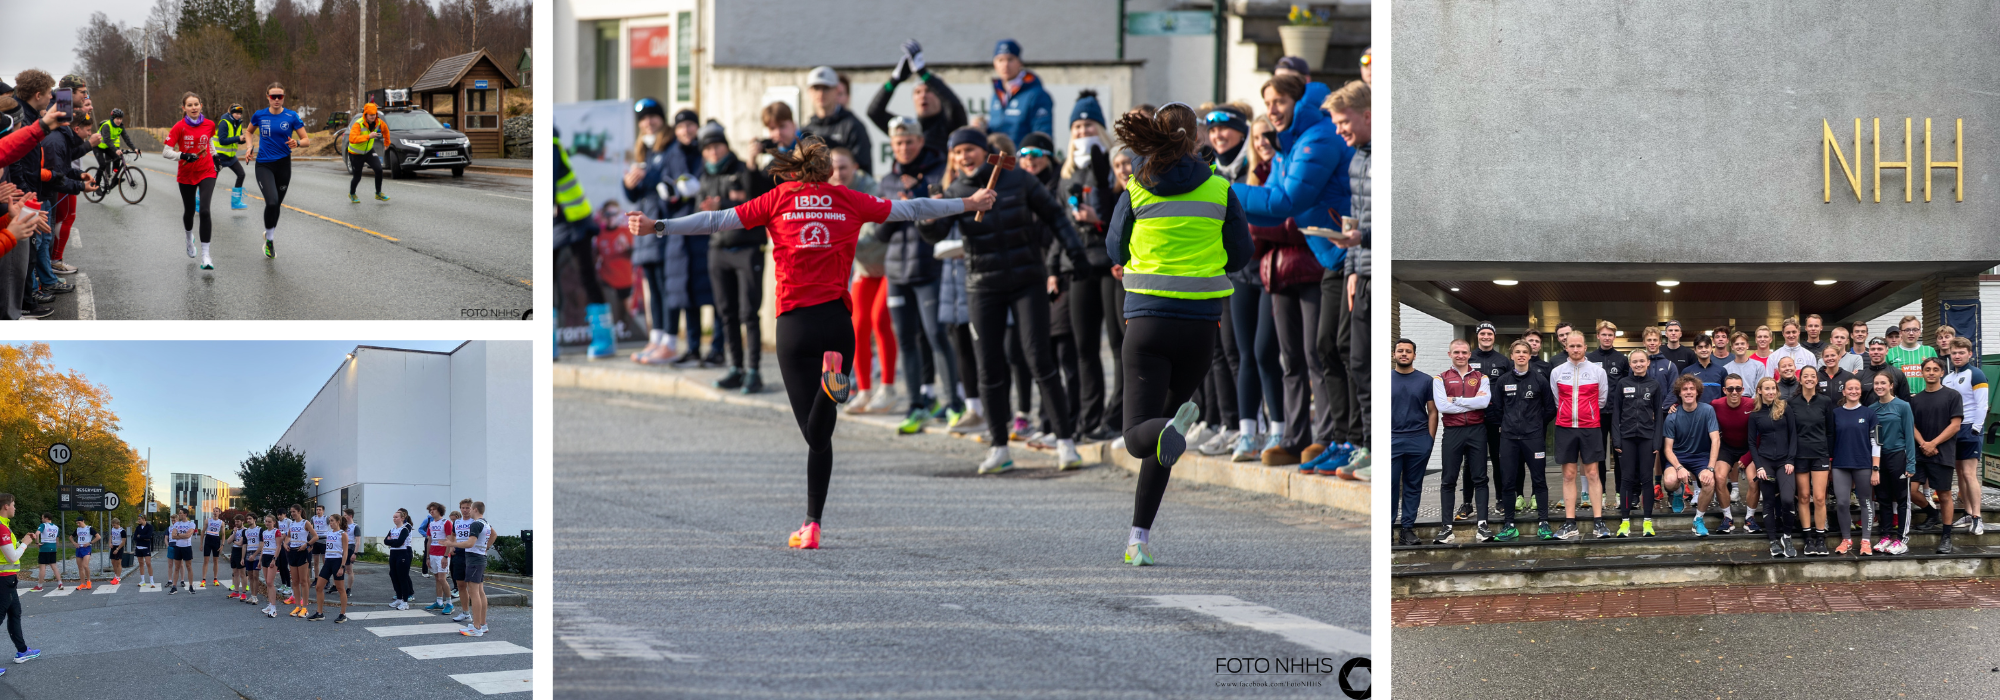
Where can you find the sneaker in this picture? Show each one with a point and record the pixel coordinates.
(1066, 456)
(1568, 532)
(1278, 456)
(315, 617)
(271, 611)
(1844, 547)
(1865, 549)
(1646, 528)
(1963, 522)
(1406, 537)
(1978, 525)
(191, 249)
(1659, 494)
(1542, 531)
(351, 199)
(1172, 441)
(1246, 449)
(1445, 535)
(1676, 501)
(1885, 545)
(447, 609)
(1218, 444)
(1464, 512)
(1902, 546)
(883, 399)
(1582, 501)
(1777, 550)
(836, 385)
(1624, 528)
(59, 288)
(1700, 527)
(1508, 533)
(1357, 464)
(1318, 461)
(1944, 544)
(807, 537)
(63, 268)
(269, 251)
(1480, 533)
(1786, 541)
(1533, 503)
(969, 421)
(1728, 523)
(733, 379)
(997, 460)
(1521, 504)
(379, 197)
(1601, 531)
(914, 423)
(753, 382)
(38, 310)
(1019, 428)
(476, 632)
(462, 617)
(26, 656)
(342, 618)
(1138, 554)
(435, 605)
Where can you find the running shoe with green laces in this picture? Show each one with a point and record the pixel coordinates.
(1508, 534)
(1646, 528)
(915, 423)
(1625, 528)
(1136, 554)
(379, 197)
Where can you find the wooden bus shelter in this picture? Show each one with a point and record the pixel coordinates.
(466, 91)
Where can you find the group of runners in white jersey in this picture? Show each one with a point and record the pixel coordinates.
(267, 554)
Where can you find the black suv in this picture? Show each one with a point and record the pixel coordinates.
(419, 142)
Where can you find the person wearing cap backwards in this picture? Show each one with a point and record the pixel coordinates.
(1020, 105)
(939, 111)
(663, 182)
(1292, 65)
(1006, 272)
(230, 147)
(833, 121)
(361, 150)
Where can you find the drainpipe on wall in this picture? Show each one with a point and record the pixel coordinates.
(1221, 36)
(1121, 30)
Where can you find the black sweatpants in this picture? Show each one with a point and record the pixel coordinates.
(1019, 375)
(399, 573)
(964, 350)
(1164, 360)
(189, 209)
(1097, 300)
(10, 607)
(1635, 478)
(357, 161)
(1030, 306)
(1515, 455)
(273, 178)
(231, 164)
(1780, 498)
(1359, 352)
(738, 277)
(805, 335)
(1892, 496)
(1464, 450)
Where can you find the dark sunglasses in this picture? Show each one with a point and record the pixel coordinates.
(1032, 152)
(1733, 389)
(279, 96)
(1219, 117)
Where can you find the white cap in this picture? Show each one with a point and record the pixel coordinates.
(822, 76)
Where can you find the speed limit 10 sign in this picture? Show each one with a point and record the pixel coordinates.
(59, 453)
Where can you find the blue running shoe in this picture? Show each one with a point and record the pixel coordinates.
(434, 606)
(1310, 465)
(1700, 527)
(1676, 501)
(23, 657)
(1340, 456)
(446, 610)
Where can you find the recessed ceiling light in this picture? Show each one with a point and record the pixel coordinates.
(1454, 289)
(1668, 283)
(1506, 283)
(1824, 282)
(1666, 291)
(1621, 334)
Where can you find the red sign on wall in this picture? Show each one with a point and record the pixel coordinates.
(652, 47)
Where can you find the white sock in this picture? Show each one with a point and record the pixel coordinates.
(1066, 445)
(1139, 535)
(1277, 427)
(1247, 426)
(975, 406)
(270, 233)
(658, 336)
(204, 251)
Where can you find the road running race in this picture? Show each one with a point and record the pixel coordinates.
(150, 541)
(217, 161)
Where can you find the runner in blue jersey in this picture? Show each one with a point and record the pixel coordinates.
(279, 130)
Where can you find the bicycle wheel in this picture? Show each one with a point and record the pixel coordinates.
(97, 176)
(134, 187)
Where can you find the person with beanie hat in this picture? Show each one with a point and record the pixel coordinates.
(685, 283)
(735, 262)
(1095, 297)
(939, 111)
(1006, 274)
(833, 121)
(1020, 105)
(1038, 157)
(666, 187)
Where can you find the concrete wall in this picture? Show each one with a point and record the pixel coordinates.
(1686, 132)
(806, 33)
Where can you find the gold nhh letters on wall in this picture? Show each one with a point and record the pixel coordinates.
(1830, 151)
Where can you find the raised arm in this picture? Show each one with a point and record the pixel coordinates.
(926, 208)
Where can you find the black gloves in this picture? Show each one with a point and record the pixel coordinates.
(901, 72)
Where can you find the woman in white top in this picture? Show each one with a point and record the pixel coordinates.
(180, 564)
(330, 569)
(116, 540)
(298, 557)
(267, 549)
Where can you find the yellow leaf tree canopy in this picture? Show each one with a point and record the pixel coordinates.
(40, 406)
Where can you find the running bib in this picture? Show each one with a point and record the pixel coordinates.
(319, 523)
(83, 535)
(297, 535)
(270, 540)
(333, 549)
(51, 533)
(435, 537)
(214, 527)
(481, 533)
(117, 536)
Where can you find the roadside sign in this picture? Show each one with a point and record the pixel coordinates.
(85, 498)
(478, 84)
(1170, 24)
(59, 453)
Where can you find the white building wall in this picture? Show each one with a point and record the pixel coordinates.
(510, 420)
(1433, 338)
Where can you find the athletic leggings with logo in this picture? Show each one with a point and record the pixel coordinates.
(805, 335)
(189, 209)
(273, 178)
(1164, 361)
(1855, 481)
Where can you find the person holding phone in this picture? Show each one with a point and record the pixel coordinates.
(189, 140)
(279, 131)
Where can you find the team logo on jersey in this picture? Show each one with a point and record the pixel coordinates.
(815, 235)
(813, 201)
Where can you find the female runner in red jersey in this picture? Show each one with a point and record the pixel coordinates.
(190, 136)
(813, 227)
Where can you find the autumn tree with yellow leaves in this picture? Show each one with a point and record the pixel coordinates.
(40, 406)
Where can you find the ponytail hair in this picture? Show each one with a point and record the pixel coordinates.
(1162, 138)
(811, 161)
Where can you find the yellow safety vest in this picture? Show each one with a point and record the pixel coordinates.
(9, 567)
(224, 127)
(569, 194)
(358, 145)
(1177, 242)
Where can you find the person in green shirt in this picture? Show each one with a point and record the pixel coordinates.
(1909, 354)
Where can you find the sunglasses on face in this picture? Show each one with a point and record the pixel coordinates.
(277, 96)
(1218, 117)
(1032, 152)
(1734, 390)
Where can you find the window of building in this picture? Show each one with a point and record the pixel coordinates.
(684, 58)
(607, 60)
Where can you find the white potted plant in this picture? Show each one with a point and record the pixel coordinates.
(1306, 35)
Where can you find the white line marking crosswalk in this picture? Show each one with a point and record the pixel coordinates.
(1301, 630)
(462, 649)
(60, 592)
(385, 614)
(407, 630)
(498, 682)
(151, 588)
(106, 589)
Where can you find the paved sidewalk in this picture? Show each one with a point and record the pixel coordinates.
(1698, 600)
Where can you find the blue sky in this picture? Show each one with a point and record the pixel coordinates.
(203, 406)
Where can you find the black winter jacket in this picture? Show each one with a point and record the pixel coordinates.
(910, 259)
(1004, 252)
(1524, 402)
(737, 177)
(1635, 407)
(937, 127)
(1092, 188)
(844, 130)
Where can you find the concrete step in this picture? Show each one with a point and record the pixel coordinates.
(1664, 521)
(1621, 570)
(1681, 542)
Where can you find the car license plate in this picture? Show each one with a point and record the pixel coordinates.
(445, 154)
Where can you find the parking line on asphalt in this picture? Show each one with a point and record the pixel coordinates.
(385, 614)
(407, 630)
(1301, 630)
(596, 639)
(497, 682)
(105, 589)
(464, 649)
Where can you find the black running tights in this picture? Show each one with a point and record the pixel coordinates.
(805, 335)
(273, 178)
(1636, 479)
(399, 573)
(357, 161)
(1164, 361)
(188, 207)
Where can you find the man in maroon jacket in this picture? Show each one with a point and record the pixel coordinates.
(1461, 396)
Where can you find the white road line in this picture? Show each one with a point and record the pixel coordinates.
(106, 589)
(498, 682)
(60, 592)
(463, 649)
(385, 614)
(597, 639)
(407, 630)
(86, 297)
(1301, 630)
(143, 588)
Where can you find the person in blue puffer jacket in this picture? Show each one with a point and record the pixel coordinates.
(1020, 105)
(1308, 181)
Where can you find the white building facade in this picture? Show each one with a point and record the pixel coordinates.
(396, 428)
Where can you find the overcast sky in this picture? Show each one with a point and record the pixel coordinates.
(43, 34)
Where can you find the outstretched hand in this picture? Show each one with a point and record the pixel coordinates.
(981, 200)
(639, 223)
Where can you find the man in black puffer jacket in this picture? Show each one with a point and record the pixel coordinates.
(833, 122)
(913, 272)
(1005, 272)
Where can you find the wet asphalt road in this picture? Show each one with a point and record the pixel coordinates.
(673, 578)
(440, 246)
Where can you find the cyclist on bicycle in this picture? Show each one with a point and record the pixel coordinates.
(229, 146)
(112, 143)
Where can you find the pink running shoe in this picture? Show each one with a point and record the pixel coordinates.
(807, 537)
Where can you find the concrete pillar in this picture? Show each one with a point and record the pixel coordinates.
(1938, 288)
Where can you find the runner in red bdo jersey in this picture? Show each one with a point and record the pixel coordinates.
(813, 227)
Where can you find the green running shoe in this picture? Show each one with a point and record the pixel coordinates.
(1542, 530)
(269, 252)
(1136, 554)
(1508, 534)
(1520, 503)
(379, 197)
(1173, 438)
(915, 423)
(1646, 528)
(351, 199)
(1625, 528)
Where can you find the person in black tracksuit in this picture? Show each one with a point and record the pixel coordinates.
(1524, 404)
(1635, 410)
(1773, 433)
(736, 269)
(1812, 413)
(939, 111)
(1005, 273)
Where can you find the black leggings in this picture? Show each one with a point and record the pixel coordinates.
(1893, 495)
(1164, 360)
(1515, 453)
(399, 573)
(188, 209)
(357, 161)
(1097, 300)
(1780, 497)
(1030, 306)
(962, 348)
(737, 274)
(222, 164)
(1464, 455)
(273, 178)
(805, 335)
(10, 607)
(1637, 474)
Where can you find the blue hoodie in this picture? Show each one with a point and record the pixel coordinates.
(1308, 180)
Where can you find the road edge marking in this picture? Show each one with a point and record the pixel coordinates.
(86, 299)
(1297, 629)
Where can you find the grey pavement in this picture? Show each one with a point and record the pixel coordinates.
(674, 579)
(129, 643)
(1915, 654)
(440, 246)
